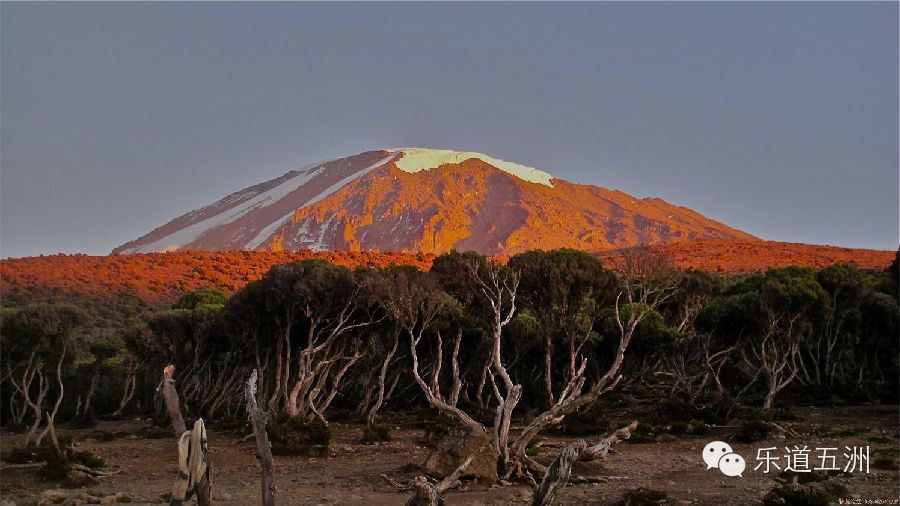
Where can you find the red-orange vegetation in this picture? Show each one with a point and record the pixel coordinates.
(743, 257)
(161, 277)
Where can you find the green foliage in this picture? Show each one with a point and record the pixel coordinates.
(41, 328)
(651, 334)
(564, 297)
(198, 298)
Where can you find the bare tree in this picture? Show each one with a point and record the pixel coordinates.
(380, 386)
(33, 367)
(258, 420)
(774, 355)
(648, 280)
(51, 415)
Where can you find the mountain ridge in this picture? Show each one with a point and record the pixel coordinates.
(428, 200)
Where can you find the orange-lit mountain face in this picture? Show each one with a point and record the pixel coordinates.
(430, 201)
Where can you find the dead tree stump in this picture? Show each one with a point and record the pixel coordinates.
(173, 408)
(263, 447)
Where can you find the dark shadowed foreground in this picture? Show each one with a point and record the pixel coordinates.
(351, 474)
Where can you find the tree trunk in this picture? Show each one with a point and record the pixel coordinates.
(379, 399)
(86, 413)
(263, 447)
(170, 395)
(127, 393)
(51, 416)
(557, 475)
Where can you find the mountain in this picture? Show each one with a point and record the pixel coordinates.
(428, 200)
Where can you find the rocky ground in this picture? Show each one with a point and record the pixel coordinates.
(351, 474)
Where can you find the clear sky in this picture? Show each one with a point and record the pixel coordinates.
(780, 119)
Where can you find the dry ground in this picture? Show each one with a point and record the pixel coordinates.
(351, 474)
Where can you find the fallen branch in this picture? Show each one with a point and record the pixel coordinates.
(93, 472)
(601, 449)
(424, 492)
(557, 475)
(244, 439)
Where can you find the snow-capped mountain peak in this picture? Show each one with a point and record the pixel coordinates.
(417, 159)
(427, 200)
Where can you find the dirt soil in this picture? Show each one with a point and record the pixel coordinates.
(351, 475)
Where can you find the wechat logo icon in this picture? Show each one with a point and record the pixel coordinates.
(719, 455)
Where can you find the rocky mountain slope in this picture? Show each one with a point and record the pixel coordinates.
(429, 201)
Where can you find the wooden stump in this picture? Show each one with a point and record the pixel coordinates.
(173, 408)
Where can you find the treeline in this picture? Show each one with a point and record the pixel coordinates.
(483, 343)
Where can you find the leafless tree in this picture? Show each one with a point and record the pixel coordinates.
(51, 415)
(381, 389)
(648, 280)
(32, 368)
(774, 355)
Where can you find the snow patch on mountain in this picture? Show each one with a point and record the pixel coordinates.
(191, 233)
(273, 227)
(419, 159)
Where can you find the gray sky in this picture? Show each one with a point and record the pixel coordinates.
(780, 119)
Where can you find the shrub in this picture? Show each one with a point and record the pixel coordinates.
(154, 431)
(57, 463)
(23, 455)
(377, 433)
(57, 466)
(88, 459)
(783, 414)
(437, 425)
(841, 432)
(804, 489)
(644, 433)
(753, 430)
(786, 477)
(299, 436)
(816, 494)
(885, 463)
(641, 497)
